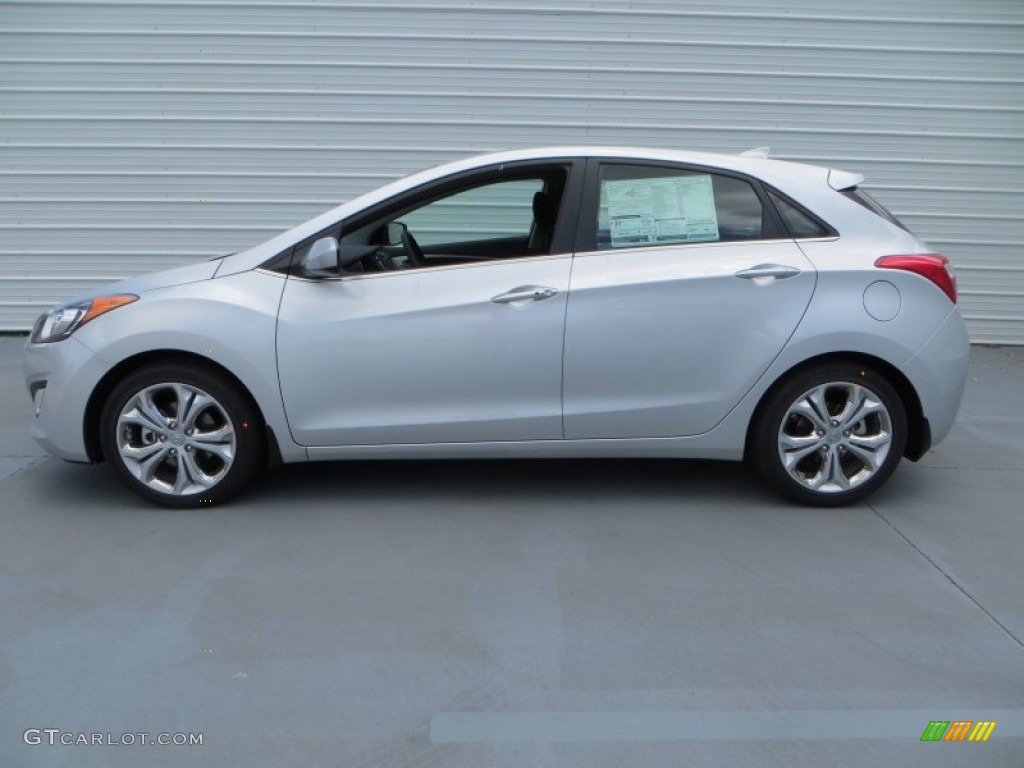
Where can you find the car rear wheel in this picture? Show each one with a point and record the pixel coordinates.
(830, 435)
(180, 435)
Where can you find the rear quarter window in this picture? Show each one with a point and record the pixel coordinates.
(800, 223)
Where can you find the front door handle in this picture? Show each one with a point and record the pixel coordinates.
(525, 293)
(767, 272)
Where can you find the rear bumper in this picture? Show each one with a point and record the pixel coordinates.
(939, 373)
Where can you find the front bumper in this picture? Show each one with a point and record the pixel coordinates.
(61, 376)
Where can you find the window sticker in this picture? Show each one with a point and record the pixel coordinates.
(661, 211)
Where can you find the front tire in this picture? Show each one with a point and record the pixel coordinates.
(180, 435)
(830, 435)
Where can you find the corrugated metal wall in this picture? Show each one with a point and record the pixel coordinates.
(140, 135)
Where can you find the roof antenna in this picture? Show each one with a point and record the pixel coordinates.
(756, 152)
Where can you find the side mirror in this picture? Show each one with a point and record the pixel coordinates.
(321, 258)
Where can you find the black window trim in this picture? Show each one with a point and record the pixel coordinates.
(586, 230)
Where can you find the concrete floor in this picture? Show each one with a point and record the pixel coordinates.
(519, 614)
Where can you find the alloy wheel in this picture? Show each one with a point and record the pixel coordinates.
(176, 439)
(835, 437)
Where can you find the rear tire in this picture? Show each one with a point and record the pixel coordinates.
(180, 435)
(829, 435)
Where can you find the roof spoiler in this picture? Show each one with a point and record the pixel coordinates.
(843, 180)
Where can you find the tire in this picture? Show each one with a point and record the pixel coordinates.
(198, 461)
(829, 435)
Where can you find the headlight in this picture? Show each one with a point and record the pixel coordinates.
(60, 322)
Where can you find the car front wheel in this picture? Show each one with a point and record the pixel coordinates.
(180, 435)
(830, 435)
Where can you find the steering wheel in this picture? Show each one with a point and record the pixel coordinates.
(412, 250)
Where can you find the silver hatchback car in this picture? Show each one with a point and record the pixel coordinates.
(562, 302)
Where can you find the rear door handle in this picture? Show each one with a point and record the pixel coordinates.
(767, 272)
(525, 293)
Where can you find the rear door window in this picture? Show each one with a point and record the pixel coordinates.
(644, 206)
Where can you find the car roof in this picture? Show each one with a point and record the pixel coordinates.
(763, 168)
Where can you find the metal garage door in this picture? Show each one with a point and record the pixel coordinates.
(140, 135)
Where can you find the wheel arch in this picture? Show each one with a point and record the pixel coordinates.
(103, 388)
(918, 429)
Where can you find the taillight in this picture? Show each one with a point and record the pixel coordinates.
(933, 266)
